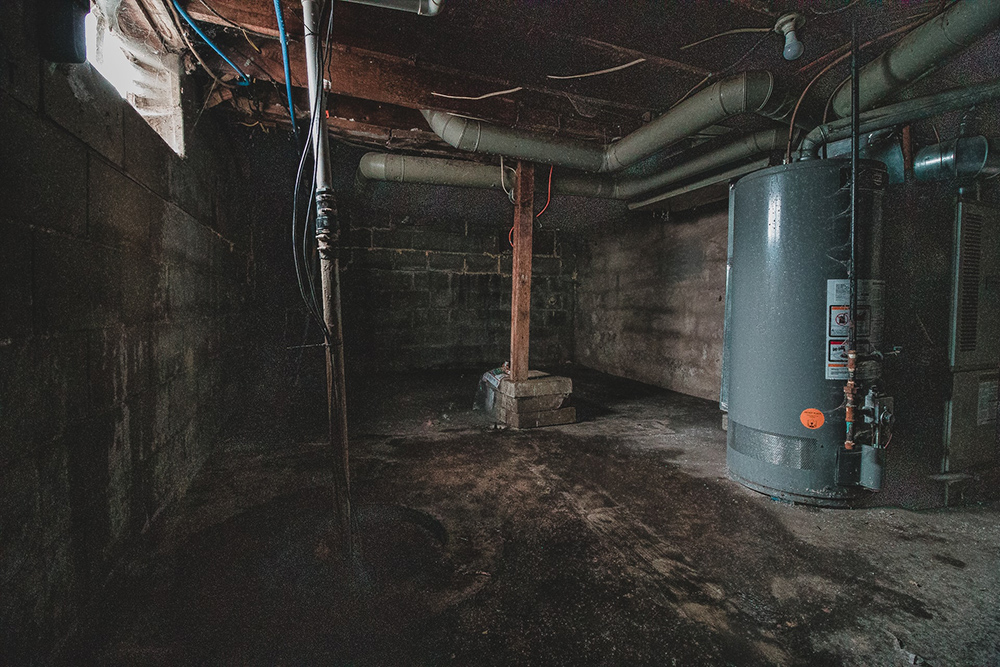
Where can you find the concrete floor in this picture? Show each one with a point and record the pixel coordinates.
(614, 541)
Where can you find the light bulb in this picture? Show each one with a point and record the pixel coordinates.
(793, 47)
(787, 25)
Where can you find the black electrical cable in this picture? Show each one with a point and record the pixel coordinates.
(304, 268)
(310, 266)
(295, 252)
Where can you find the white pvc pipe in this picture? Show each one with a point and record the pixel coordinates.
(317, 107)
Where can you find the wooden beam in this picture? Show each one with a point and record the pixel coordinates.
(259, 17)
(379, 77)
(520, 301)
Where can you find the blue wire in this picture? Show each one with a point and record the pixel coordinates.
(284, 57)
(194, 26)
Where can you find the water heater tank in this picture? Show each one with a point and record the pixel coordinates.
(787, 305)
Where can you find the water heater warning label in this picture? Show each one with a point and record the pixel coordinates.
(868, 327)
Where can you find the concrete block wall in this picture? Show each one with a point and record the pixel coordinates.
(423, 293)
(122, 284)
(651, 301)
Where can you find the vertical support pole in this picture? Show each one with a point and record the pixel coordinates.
(520, 302)
(335, 389)
(327, 238)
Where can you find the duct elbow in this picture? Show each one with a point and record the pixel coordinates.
(429, 7)
(745, 92)
(373, 167)
(458, 132)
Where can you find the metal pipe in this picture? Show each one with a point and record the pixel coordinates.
(748, 92)
(896, 114)
(744, 147)
(431, 171)
(961, 159)
(317, 115)
(459, 173)
(728, 175)
(850, 390)
(944, 36)
(421, 7)
(327, 236)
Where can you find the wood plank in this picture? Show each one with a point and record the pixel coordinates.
(520, 302)
(259, 17)
(379, 77)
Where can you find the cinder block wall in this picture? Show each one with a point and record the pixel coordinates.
(122, 283)
(651, 298)
(434, 292)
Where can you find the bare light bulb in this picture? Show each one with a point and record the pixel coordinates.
(793, 47)
(787, 25)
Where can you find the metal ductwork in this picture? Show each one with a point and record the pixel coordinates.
(744, 147)
(463, 174)
(431, 171)
(958, 160)
(422, 7)
(964, 23)
(436, 171)
(748, 92)
(897, 114)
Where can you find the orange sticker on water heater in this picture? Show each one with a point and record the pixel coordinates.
(812, 418)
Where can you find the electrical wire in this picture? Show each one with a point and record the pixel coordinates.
(548, 199)
(598, 72)
(283, 36)
(233, 24)
(478, 97)
(805, 91)
(503, 184)
(735, 31)
(817, 12)
(840, 59)
(178, 25)
(720, 73)
(829, 100)
(325, 54)
(304, 268)
(194, 26)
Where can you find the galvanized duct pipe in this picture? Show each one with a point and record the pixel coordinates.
(748, 92)
(746, 146)
(431, 171)
(435, 171)
(462, 174)
(964, 23)
(422, 7)
(958, 160)
(896, 114)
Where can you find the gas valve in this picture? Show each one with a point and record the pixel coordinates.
(878, 413)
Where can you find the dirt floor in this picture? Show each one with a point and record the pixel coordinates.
(614, 541)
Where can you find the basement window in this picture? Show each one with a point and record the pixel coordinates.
(148, 79)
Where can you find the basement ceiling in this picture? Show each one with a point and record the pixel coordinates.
(385, 64)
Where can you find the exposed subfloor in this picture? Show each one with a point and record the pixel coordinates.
(614, 541)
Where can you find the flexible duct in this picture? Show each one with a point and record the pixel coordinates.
(748, 92)
(958, 160)
(896, 114)
(925, 48)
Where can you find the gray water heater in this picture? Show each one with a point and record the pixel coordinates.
(787, 298)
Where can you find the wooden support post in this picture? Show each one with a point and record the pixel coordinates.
(336, 394)
(520, 302)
